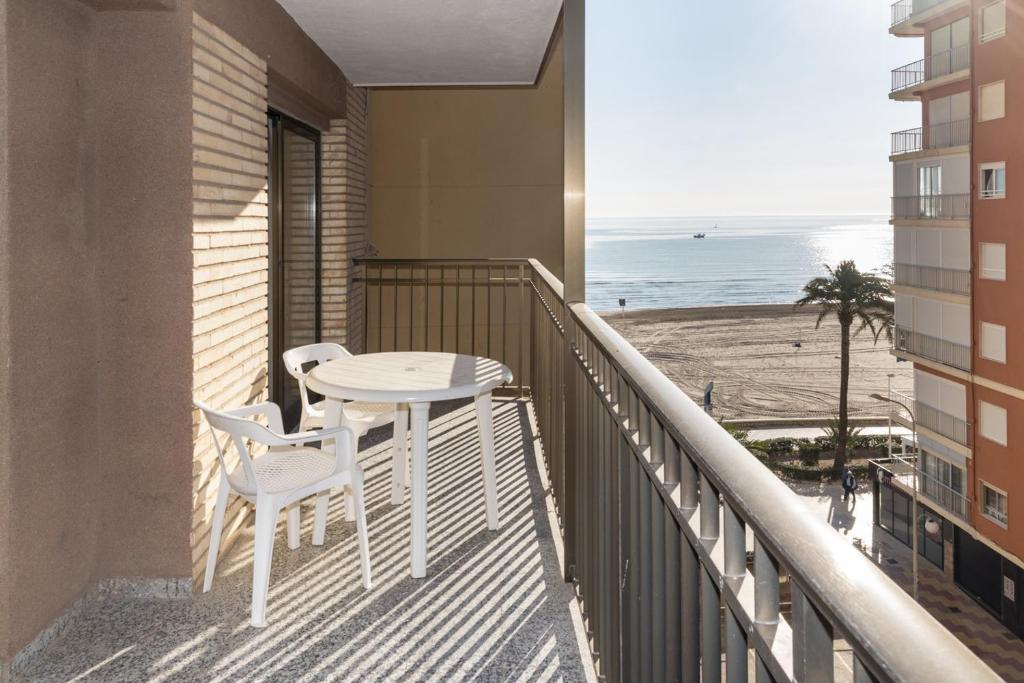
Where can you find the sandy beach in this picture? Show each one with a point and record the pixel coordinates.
(751, 355)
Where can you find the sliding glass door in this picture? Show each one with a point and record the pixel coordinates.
(294, 196)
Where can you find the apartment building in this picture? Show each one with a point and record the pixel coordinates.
(956, 222)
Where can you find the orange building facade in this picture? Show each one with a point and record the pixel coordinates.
(958, 226)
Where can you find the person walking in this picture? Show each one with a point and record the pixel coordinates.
(849, 483)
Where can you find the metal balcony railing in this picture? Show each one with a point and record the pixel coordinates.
(932, 66)
(655, 499)
(940, 422)
(931, 277)
(947, 498)
(933, 348)
(932, 206)
(935, 136)
(901, 11)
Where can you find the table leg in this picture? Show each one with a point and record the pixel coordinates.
(485, 424)
(400, 454)
(420, 413)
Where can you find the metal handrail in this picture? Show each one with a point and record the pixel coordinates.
(933, 66)
(830, 576)
(935, 136)
(932, 206)
(951, 280)
(933, 348)
(654, 498)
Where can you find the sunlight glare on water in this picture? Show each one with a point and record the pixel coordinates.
(657, 263)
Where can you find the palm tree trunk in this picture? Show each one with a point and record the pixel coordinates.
(844, 388)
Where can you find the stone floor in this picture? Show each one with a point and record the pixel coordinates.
(493, 606)
(958, 612)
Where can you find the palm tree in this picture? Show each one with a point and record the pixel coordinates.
(851, 296)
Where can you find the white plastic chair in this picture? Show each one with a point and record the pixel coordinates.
(279, 479)
(359, 416)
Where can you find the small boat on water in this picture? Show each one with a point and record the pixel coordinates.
(702, 235)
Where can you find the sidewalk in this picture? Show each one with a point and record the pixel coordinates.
(954, 609)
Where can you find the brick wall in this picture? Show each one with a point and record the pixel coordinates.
(230, 246)
(345, 230)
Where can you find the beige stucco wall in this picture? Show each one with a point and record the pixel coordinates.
(96, 354)
(5, 385)
(469, 172)
(96, 288)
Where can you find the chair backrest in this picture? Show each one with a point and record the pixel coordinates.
(295, 359)
(240, 429)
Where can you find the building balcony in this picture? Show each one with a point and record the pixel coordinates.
(932, 348)
(944, 207)
(941, 68)
(940, 422)
(936, 279)
(939, 136)
(683, 555)
(903, 472)
(907, 16)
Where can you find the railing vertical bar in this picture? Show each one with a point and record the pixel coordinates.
(618, 535)
(394, 322)
(472, 316)
(504, 321)
(490, 297)
(627, 604)
(735, 649)
(735, 543)
(813, 658)
(643, 573)
(633, 577)
(710, 630)
(458, 308)
(688, 479)
(673, 634)
(656, 543)
(426, 308)
(689, 611)
(380, 307)
(709, 517)
(521, 335)
(860, 673)
(766, 586)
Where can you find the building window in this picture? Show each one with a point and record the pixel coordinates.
(994, 504)
(992, 101)
(992, 422)
(993, 342)
(993, 180)
(993, 21)
(993, 261)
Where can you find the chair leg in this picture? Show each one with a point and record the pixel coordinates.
(400, 455)
(215, 531)
(350, 508)
(364, 539)
(323, 501)
(293, 524)
(485, 424)
(266, 524)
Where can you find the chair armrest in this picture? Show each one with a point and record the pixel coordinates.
(269, 409)
(300, 438)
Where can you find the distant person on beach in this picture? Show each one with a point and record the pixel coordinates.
(849, 483)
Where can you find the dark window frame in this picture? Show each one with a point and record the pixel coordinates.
(277, 123)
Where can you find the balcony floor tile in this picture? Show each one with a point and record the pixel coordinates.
(493, 606)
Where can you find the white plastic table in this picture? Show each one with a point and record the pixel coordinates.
(416, 379)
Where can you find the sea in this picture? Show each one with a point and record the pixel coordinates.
(657, 262)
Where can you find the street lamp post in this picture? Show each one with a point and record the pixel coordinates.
(914, 516)
(889, 394)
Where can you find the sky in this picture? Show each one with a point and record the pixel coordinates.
(746, 107)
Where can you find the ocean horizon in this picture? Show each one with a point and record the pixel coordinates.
(657, 263)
